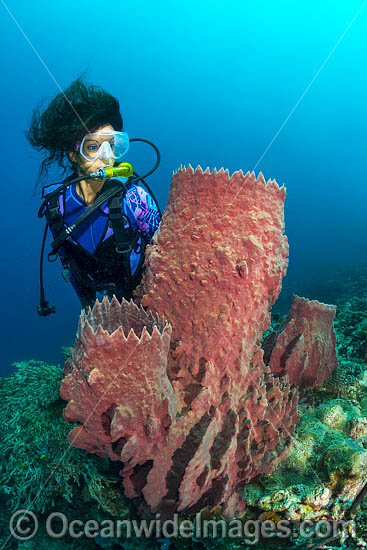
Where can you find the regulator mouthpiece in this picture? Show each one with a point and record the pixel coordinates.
(124, 169)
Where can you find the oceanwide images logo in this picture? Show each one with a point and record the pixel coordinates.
(24, 525)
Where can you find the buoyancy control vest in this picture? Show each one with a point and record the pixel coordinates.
(108, 268)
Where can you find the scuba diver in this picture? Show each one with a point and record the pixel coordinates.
(103, 214)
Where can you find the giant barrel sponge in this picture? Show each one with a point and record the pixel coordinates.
(174, 385)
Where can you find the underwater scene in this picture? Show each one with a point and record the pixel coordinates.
(184, 252)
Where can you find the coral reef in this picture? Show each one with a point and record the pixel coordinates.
(351, 322)
(326, 467)
(175, 386)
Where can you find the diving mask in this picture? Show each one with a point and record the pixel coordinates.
(103, 145)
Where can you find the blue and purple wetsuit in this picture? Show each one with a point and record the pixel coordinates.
(88, 256)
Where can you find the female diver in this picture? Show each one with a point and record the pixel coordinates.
(100, 225)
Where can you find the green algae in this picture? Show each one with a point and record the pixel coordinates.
(39, 470)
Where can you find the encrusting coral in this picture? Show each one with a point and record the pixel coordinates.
(327, 463)
(175, 386)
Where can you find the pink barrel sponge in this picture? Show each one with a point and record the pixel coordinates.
(175, 386)
(116, 381)
(303, 346)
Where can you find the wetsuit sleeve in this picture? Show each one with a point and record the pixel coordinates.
(144, 209)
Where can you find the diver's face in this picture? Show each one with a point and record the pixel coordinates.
(90, 166)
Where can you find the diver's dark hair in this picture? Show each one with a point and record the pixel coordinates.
(77, 110)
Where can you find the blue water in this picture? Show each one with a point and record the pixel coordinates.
(210, 83)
